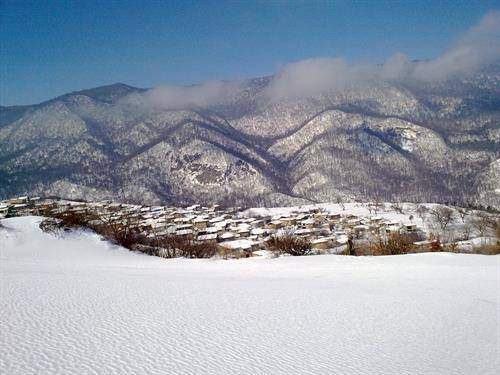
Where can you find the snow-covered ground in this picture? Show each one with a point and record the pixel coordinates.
(78, 305)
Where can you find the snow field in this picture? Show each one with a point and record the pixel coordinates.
(77, 305)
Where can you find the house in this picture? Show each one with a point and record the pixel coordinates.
(184, 232)
(227, 236)
(410, 228)
(258, 232)
(243, 231)
(208, 238)
(19, 207)
(289, 221)
(4, 210)
(333, 217)
(307, 224)
(216, 219)
(245, 245)
(302, 216)
(200, 223)
(19, 200)
(322, 243)
(393, 229)
(213, 230)
(304, 232)
(321, 215)
(360, 229)
(274, 225)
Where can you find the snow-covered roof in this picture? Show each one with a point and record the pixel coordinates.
(239, 244)
(184, 232)
(227, 235)
(303, 231)
(320, 240)
(212, 230)
(258, 231)
(207, 237)
(308, 221)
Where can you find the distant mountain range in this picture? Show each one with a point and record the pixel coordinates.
(232, 144)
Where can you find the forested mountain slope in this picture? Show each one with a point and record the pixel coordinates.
(234, 143)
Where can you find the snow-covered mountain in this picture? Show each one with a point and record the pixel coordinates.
(232, 143)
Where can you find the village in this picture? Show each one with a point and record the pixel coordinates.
(243, 233)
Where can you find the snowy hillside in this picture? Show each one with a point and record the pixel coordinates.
(78, 305)
(388, 140)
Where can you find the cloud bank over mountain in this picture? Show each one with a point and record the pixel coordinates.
(178, 97)
(477, 47)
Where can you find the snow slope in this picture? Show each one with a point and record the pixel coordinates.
(77, 305)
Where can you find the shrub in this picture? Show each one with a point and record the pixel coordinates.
(393, 244)
(452, 247)
(289, 244)
(66, 220)
(435, 243)
(488, 249)
(73, 219)
(179, 246)
(147, 249)
(191, 249)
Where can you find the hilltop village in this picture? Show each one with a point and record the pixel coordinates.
(243, 233)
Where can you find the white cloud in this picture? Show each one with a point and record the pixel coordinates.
(180, 97)
(477, 47)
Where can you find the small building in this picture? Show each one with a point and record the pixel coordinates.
(245, 245)
(304, 232)
(275, 225)
(208, 238)
(289, 221)
(410, 228)
(258, 232)
(227, 236)
(333, 217)
(308, 224)
(322, 243)
(4, 210)
(200, 223)
(360, 229)
(184, 232)
(243, 232)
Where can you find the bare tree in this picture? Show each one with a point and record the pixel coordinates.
(422, 212)
(482, 222)
(340, 201)
(370, 208)
(463, 212)
(377, 205)
(466, 229)
(398, 207)
(443, 216)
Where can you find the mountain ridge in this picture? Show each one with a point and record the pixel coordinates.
(384, 140)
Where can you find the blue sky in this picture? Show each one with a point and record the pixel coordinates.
(49, 48)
